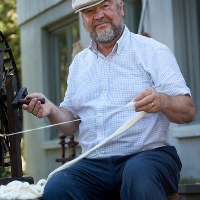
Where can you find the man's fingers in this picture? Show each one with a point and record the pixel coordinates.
(145, 93)
(147, 107)
(34, 106)
(24, 107)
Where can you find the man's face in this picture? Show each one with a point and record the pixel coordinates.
(104, 22)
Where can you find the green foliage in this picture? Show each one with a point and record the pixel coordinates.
(8, 26)
(189, 180)
(5, 173)
(10, 30)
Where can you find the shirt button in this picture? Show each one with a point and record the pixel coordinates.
(106, 61)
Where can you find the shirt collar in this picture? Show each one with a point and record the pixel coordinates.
(122, 40)
(119, 44)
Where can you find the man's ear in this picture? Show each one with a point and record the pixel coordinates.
(121, 8)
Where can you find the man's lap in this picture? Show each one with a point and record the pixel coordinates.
(102, 179)
(148, 170)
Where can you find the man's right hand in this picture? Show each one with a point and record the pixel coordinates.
(36, 107)
(54, 113)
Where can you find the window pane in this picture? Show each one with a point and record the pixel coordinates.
(198, 17)
(187, 50)
(197, 77)
(64, 63)
(62, 41)
(62, 56)
(132, 10)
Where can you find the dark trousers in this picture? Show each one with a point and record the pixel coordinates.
(147, 175)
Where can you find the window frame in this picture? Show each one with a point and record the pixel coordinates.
(187, 51)
(132, 14)
(52, 63)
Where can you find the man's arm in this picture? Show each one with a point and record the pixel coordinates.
(54, 113)
(178, 109)
(59, 115)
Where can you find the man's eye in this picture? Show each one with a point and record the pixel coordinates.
(88, 11)
(106, 6)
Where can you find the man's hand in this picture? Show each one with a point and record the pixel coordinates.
(148, 100)
(178, 109)
(36, 108)
(54, 113)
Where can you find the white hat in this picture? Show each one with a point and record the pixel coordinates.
(78, 5)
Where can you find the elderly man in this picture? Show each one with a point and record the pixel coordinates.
(116, 68)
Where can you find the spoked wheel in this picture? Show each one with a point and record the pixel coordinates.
(10, 117)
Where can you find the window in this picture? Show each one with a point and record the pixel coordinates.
(132, 10)
(187, 45)
(61, 39)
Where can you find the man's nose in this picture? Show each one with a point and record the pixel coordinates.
(99, 13)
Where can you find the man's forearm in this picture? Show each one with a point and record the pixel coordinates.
(59, 115)
(179, 109)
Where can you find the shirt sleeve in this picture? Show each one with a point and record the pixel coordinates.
(165, 73)
(67, 102)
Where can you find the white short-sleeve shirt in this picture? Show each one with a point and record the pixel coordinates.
(99, 85)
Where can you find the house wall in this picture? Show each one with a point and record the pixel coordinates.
(158, 21)
(33, 17)
(161, 21)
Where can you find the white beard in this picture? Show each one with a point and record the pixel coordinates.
(104, 36)
(109, 34)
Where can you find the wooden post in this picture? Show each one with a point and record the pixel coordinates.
(72, 146)
(13, 127)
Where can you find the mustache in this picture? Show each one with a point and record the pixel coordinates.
(100, 21)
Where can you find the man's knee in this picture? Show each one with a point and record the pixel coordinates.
(138, 170)
(57, 187)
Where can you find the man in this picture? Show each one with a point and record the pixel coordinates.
(119, 67)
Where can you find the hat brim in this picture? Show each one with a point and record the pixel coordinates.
(85, 7)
